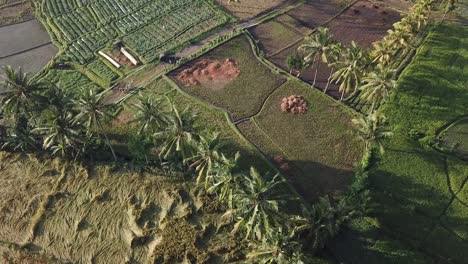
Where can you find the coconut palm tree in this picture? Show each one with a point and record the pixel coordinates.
(371, 130)
(206, 153)
(332, 56)
(316, 46)
(91, 110)
(19, 137)
(280, 248)
(151, 115)
(63, 136)
(382, 52)
(20, 92)
(377, 85)
(257, 205)
(179, 135)
(350, 69)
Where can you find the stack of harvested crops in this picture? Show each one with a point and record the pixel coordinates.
(295, 104)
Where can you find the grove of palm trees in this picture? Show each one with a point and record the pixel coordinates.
(106, 156)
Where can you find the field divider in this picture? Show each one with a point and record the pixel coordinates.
(246, 140)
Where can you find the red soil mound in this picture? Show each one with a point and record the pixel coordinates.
(209, 71)
(294, 104)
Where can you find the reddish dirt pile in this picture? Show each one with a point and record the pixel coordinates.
(282, 163)
(295, 104)
(206, 71)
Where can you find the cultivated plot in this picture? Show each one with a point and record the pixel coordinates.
(246, 9)
(230, 77)
(318, 146)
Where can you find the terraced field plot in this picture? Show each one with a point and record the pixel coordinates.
(146, 28)
(249, 8)
(319, 145)
(243, 96)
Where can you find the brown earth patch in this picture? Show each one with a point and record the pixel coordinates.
(16, 13)
(120, 58)
(315, 13)
(308, 74)
(364, 22)
(272, 36)
(245, 9)
(212, 74)
(122, 118)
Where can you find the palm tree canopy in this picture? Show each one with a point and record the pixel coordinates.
(371, 130)
(20, 91)
(151, 114)
(377, 85)
(257, 204)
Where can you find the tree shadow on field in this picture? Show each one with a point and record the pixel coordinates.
(313, 180)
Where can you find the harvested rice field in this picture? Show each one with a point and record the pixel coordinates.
(364, 22)
(241, 96)
(12, 12)
(320, 158)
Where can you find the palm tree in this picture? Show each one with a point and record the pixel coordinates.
(224, 179)
(91, 110)
(151, 115)
(179, 135)
(206, 153)
(295, 63)
(350, 69)
(332, 56)
(20, 93)
(315, 46)
(257, 205)
(278, 249)
(382, 52)
(63, 136)
(378, 85)
(19, 137)
(370, 129)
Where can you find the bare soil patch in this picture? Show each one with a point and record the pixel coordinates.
(308, 75)
(315, 13)
(364, 22)
(244, 9)
(212, 74)
(32, 60)
(16, 13)
(120, 58)
(273, 36)
(293, 24)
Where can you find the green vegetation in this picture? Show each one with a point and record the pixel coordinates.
(319, 144)
(412, 177)
(243, 96)
(83, 28)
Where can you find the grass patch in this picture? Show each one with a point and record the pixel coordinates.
(273, 36)
(432, 92)
(363, 242)
(243, 96)
(319, 144)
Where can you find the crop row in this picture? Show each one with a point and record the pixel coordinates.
(59, 7)
(147, 14)
(75, 24)
(82, 50)
(101, 69)
(153, 54)
(162, 30)
(69, 80)
(110, 10)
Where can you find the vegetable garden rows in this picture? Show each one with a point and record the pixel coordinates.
(147, 28)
